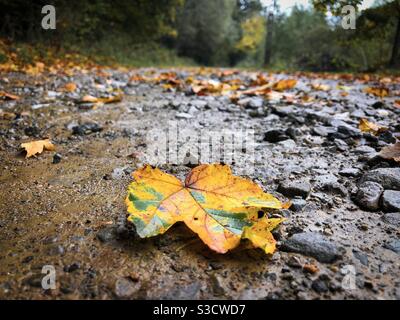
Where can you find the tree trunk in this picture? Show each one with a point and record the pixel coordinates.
(394, 61)
(268, 42)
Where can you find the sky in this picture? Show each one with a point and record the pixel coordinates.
(286, 5)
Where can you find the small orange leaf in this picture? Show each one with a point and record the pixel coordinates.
(284, 84)
(8, 96)
(380, 92)
(70, 87)
(36, 147)
(367, 126)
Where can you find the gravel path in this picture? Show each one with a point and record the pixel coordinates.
(66, 209)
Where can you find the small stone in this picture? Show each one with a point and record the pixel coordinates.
(294, 262)
(319, 286)
(298, 204)
(368, 195)
(86, 128)
(393, 245)
(323, 131)
(364, 150)
(350, 172)
(314, 245)
(117, 173)
(57, 158)
(106, 234)
(183, 115)
(72, 267)
(392, 218)
(274, 136)
(391, 200)
(295, 188)
(125, 288)
(362, 257)
(388, 178)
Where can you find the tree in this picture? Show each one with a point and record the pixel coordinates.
(388, 10)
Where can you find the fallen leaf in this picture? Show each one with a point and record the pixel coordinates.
(367, 126)
(92, 99)
(8, 96)
(70, 87)
(320, 87)
(38, 146)
(212, 202)
(397, 103)
(284, 84)
(260, 234)
(391, 152)
(380, 92)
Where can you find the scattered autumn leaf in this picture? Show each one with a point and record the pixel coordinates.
(284, 84)
(397, 103)
(220, 207)
(8, 96)
(35, 147)
(70, 87)
(320, 87)
(368, 126)
(380, 92)
(391, 152)
(92, 99)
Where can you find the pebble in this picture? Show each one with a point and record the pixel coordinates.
(393, 245)
(391, 200)
(388, 178)
(350, 172)
(368, 195)
(392, 218)
(57, 158)
(274, 136)
(125, 287)
(298, 204)
(86, 128)
(295, 188)
(314, 245)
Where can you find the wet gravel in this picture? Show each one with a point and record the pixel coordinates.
(66, 208)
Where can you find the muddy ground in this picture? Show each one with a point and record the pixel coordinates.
(71, 214)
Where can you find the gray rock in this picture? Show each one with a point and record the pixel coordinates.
(118, 173)
(183, 115)
(392, 218)
(323, 131)
(350, 172)
(388, 178)
(326, 179)
(362, 257)
(391, 200)
(106, 234)
(251, 103)
(298, 204)
(314, 245)
(274, 136)
(295, 188)
(125, 288)
(393, 245)
(368, 195)
(364, 150)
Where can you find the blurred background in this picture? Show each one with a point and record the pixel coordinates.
(278, 35)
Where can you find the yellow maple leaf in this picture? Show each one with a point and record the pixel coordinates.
(36, 147)
(377, 91)
(212, 202)
(284, 84)
(368, 126)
